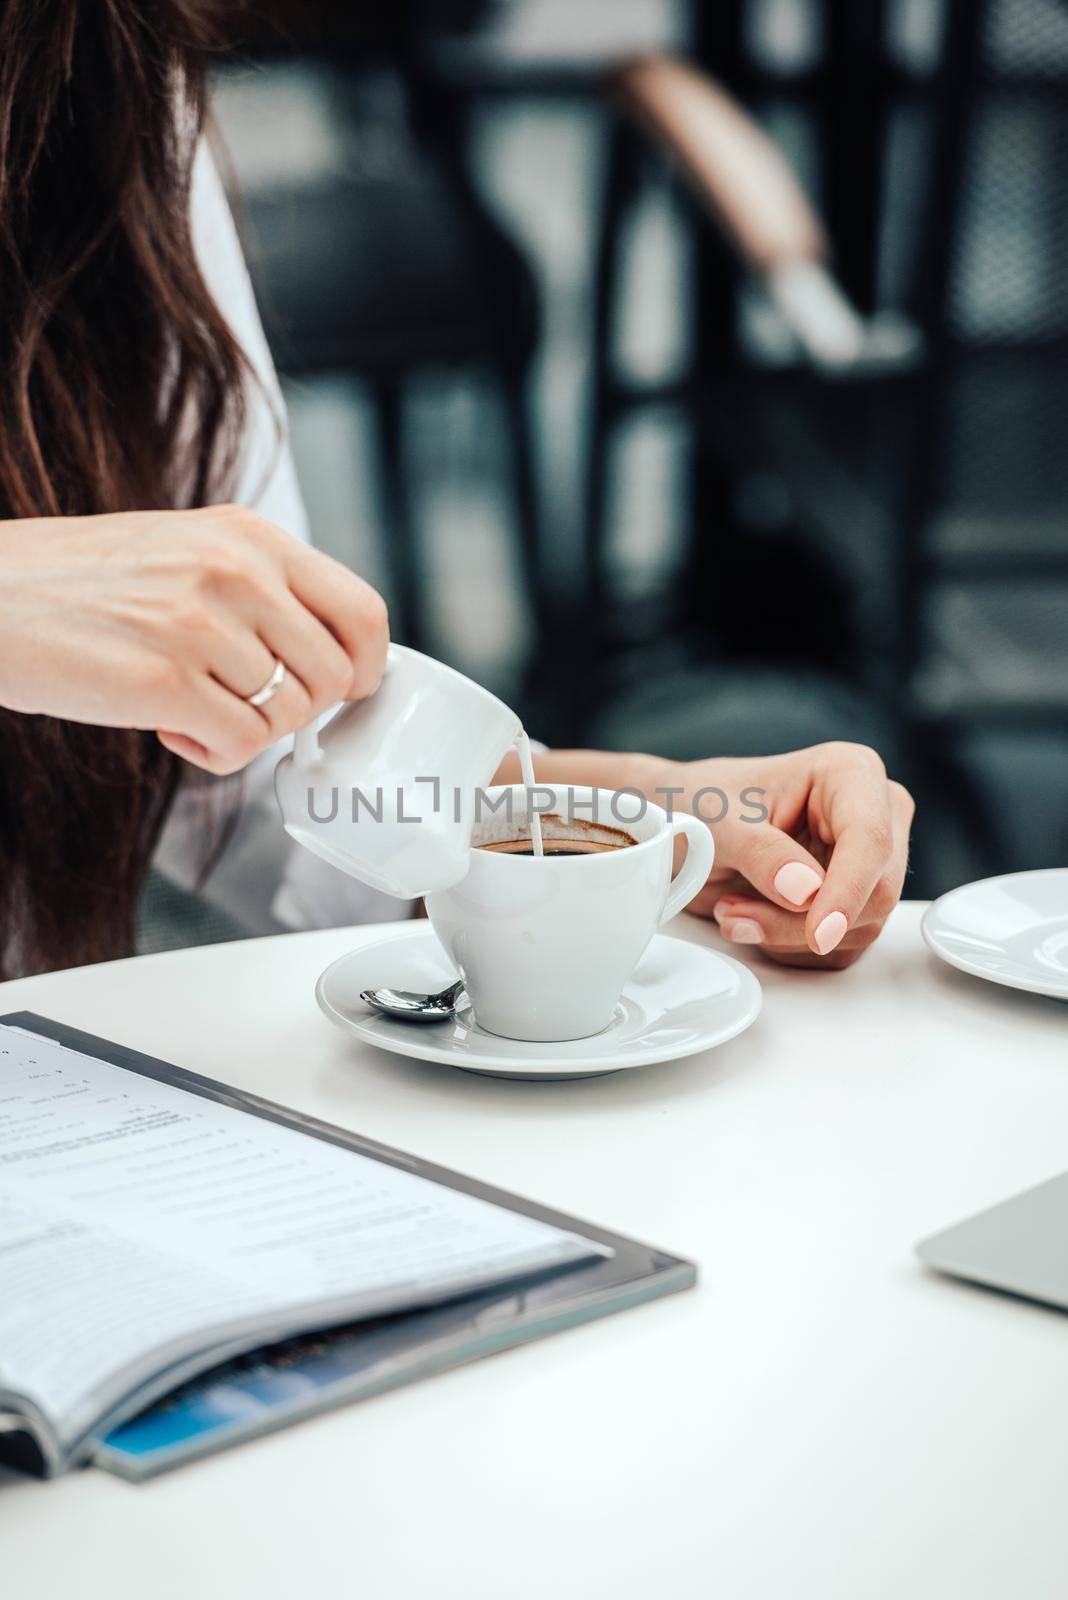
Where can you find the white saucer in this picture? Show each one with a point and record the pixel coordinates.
(1011, 930)
(682, 999)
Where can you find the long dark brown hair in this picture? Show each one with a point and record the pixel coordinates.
(112, 348)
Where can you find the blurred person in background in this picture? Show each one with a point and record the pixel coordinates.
(155, 568)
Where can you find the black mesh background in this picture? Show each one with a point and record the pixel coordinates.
(1011, 283)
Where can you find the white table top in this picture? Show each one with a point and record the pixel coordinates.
(819, 1418)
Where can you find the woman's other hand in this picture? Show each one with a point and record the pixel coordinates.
(813, 881)
(170, 620)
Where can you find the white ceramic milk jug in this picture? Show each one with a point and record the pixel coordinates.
(386, 789)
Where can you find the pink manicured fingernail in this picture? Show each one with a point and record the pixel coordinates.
(744, 931)
(830, 932)
(721, 909)
(796, 882)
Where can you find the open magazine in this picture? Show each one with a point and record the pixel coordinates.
(156, 1227)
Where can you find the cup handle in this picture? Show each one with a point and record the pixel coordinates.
(700, 853)
(306, 749)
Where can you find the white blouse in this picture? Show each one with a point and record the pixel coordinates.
(264, 880)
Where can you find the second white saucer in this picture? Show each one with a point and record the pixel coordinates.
(681, 1000)
(1011, 930)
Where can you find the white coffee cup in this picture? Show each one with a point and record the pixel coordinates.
(386, 790)
(546, 945)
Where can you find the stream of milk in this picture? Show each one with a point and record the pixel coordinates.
(526, 767)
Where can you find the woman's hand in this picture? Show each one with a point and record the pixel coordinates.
(811, 847)
(169, 620)
(814, 880)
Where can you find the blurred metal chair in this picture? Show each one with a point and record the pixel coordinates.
(921, 448)
(393, 265)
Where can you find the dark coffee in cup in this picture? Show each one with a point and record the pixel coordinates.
(564, 838)
(552, 847)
